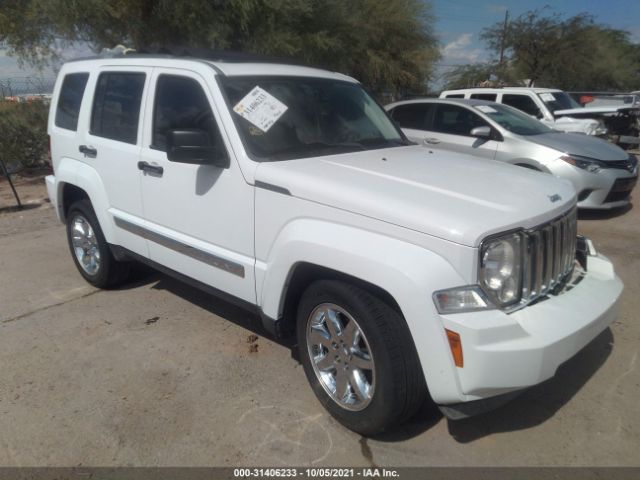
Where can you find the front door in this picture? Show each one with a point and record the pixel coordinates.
(199, 218)
(451, 130)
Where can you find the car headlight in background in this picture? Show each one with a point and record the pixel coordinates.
(500, 269)
(589, 164)
(601, 129)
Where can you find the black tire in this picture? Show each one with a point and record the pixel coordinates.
(110, 272)
(400, 388)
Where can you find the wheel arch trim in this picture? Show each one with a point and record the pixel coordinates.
(86, 178)
(408, 273)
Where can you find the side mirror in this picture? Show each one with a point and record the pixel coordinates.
(194, 146)
(481, 132)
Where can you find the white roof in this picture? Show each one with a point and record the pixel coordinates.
(225, 68)
(503, 89)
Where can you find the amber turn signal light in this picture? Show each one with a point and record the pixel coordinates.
(456, 347)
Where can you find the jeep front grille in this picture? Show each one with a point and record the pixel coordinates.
(549, 256)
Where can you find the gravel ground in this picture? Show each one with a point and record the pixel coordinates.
(157, 373)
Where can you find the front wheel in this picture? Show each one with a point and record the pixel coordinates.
(90, 250)
(358, 356)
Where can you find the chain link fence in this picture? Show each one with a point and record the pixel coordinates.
(12, 88)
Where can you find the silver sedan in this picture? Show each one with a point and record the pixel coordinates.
(602, 173)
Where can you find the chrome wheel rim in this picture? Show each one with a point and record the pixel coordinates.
(341, 356)
(85, 245)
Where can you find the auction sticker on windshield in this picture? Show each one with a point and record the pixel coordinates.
(486, 109)
(260, 108)
(547, 97)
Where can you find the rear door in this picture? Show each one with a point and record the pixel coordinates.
(413, 118)
(111, 144)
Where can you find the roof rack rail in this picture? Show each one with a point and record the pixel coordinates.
(216, 55)
(223, 56)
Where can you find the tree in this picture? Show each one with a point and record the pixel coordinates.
(473, 75)
(387, 44)
(573, 54)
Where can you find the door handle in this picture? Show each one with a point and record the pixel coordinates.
(431, 141)
(147, 167)
(88, 151)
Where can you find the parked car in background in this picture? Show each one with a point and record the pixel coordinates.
(602, 173)
(624, 126)
(559, 110)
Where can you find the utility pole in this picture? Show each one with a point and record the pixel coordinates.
(504, 35)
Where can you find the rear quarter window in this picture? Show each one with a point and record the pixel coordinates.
(455, 95)
(116, 106)
(70, 99)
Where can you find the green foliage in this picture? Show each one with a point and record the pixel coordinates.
(24, 140)
(387, 44)
(572, 54)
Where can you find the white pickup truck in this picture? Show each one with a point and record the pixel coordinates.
(288, 190)
(558, 110)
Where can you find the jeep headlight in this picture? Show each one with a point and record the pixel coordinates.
(500, 269)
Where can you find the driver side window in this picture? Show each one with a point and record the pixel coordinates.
(181, 104)
(456, 120)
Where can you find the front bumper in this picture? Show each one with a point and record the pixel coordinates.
(504, 353)
(606, 189)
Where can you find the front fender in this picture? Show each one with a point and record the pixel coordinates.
(84, 176)
(408, 272)
(529, 163)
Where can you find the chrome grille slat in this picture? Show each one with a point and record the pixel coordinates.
(549, 255)
(548, 259)
(539, 262)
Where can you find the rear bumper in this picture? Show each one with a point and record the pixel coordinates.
(504, 353)
(52, 191)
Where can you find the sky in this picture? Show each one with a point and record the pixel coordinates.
(458, 24)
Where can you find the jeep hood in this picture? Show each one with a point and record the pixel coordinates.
(451, 196)
(577, 144)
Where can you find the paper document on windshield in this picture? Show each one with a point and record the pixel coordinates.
(486, 109)
(547, 97)
(260, 108)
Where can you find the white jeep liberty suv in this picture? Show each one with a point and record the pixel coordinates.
(289, 190)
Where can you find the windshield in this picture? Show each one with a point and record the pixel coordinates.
(513, 120)
(558, 101)
(297, 117)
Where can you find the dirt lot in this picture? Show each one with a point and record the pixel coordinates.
(157, 373)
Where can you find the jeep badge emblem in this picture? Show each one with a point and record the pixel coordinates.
(554, 198)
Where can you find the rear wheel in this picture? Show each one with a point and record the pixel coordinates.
(358, 356)
(89, 249)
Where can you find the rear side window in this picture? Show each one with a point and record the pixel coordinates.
(412, 115)
(491, 97)
(116, 106)
(181, 104)
(70, 100)
(523, 103)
